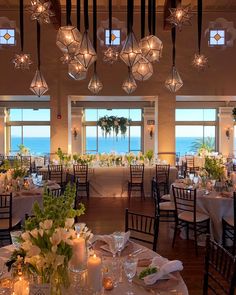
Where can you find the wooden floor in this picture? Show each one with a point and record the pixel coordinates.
(106, 215)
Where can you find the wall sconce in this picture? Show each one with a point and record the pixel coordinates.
(151, 124)
(75, 132)
(228, 132)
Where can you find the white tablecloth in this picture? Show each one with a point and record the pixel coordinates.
(215, 206)
(122, 288)
(113, 181)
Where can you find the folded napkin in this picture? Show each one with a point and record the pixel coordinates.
(108, 239)
(164, 267)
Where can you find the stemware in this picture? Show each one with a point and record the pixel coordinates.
(130, 268)
(119, 241)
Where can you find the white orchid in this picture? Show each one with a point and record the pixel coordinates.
(25, 236)
(34, 233)
(47, 224)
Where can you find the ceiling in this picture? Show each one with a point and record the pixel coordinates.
(120, 5)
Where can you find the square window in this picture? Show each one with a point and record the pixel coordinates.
(7, 36)
(217, 37)
(115, 37)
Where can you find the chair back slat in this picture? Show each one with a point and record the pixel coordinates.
(220, 270)
(55, 172)
(136, 173)
(6, 209)
(81, 172)
(56, 192)
(141, 224)
(162, 173)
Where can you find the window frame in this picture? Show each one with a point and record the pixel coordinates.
(200, 123)
(14, 44)
(217, 45)
(107, 29)
(94, 123)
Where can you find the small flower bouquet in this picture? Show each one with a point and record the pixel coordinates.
(46, 243)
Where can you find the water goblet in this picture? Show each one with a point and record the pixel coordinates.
(119, 241)
(130, 268)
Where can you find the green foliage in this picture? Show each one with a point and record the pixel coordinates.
(56, 209)
(149, 155)
(208, 144)
(23, 150)
(214, 168)
(147, 271)
(113, 123)
(60, 155)
(18, 170)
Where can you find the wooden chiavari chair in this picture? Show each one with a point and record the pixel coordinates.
(55, 173)
(81, 178)
(136, 182)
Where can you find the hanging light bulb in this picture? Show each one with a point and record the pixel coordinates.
(131, 53)
(95, 85)
(151, 48)
(41, 11)
(110, 55)
(129, 85)
(200, 61)
(38, 85)
(77, 71)
(68, 39)
(174, 81)
(22, 61)
(86, 54)
(180, 16)
(142, 70)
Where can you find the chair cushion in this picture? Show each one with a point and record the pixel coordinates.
(4, 223)
(229, 220)
(188, 216)
(167, 206)
(166, 197)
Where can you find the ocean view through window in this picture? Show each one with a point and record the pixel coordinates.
(97, 142)
(194, 127)
(31, 128)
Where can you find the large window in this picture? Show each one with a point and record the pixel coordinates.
(97, 142)
(31, 128)
(195, 127)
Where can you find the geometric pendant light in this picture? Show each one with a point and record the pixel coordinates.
(38, 85)
(151, 46)
(200, 61)
(173, 82)
(22, 60)
(129, 85)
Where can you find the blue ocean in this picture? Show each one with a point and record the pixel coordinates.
(41, 145)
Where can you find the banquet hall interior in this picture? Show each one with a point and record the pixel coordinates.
(117, 147)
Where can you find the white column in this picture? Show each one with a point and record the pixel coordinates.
(77, 129)
(149, 130)
(226, 131)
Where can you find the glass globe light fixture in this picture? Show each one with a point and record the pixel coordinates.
(68, 39)
(200, 61)
(22, 61)
(77, 71)
(129, 85)
(174, 82)
(110, 55)
(41, 11)
(151, 48)
(38, 85)
(131, 53)
(142, 70)
(180, 16)
(95, 85)
(86, 54)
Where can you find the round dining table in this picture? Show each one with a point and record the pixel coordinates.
(173, 286)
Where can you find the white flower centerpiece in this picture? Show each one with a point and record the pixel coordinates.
(46, 245)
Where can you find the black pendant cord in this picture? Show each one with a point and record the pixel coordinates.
(150, 16)
(21, 10)
(78, 8)
(38, 44)
(86, 16)
(199, 13)
(95, 30)
(110, 20)
(68, 13)
(153, 17)
(130, 15)
(142, 18)
(173, 35)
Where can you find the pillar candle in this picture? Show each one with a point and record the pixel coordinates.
(95, 273)
(79, 252)
(21, 287)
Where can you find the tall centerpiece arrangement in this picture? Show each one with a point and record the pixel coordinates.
(47, 243)
(113, 124)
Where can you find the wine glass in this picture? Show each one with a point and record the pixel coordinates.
(113, 246)
(119, 241)
(195, 180)
(130, 268)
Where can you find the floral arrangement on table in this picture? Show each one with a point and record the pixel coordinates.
(23, 150)
(215, 168)
(64, 159)
(46, 245)
(113, 124)
(83, 158)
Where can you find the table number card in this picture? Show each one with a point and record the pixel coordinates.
(42, 289)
